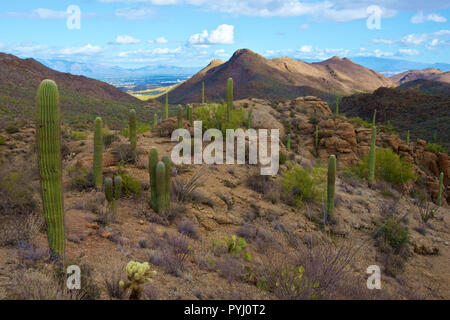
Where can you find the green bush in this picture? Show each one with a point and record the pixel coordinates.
(130, 186)
(2, 141)
(78, 135)
(12, 128)
(305, 184)
(388, 167)
(81, 179)
(16, 194)
(283, 158)
(360, 122)
(393, 234)
(141, 127)
(436, 148)
(215, 117)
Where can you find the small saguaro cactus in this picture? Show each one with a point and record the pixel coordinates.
(155, 120)
(288, 143)
(180, 117)
(109, 190)
(152, 162)
(374, 117)
(160, 187)
(166, 107)
(137, 274)
(189, 114)
(373, 138)
(98, 153)
(203, 92)
(168, 166)
(229, 96)
(49, 151)
(407, 138)
(117, 187)
(132, 132)
(331, 181)
(441, 183)
(249, 120)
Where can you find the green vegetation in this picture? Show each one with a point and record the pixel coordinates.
(78, 135)
(2, 141)
(117, 187)
(331, 181)
(392, 234)
(160, 187)
(357, 121)
(180, 118)
(166, 107)
(216, 116)
(160, 181)
(203, 92)
(49, 150)
(98, 153)
(109, 190)
(305, 184)
(288, 143)
(372, 156)
(130, 186)
(389, 167)
(230, 106)
(132, 133)
(81, 179)
(436, 148)
(137, 274)
(153, 160)
(237, 247)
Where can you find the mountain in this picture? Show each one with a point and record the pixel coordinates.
(81, 98)
(389, 67)
(103, 72)
(278, 79)
(425, 74)
(421, 106)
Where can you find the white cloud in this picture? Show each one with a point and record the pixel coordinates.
(134, 13)
(308, 52)
(408, 52)
(306, 49)
(84, 50)
(159, 40)
(224, 34)
(124, 39)
(417, 39)
(421, 18)
(150, 52)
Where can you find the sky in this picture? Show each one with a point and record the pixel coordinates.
(137, 33)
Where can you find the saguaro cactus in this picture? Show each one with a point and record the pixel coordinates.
(49, 150)
(98, 152)
(374, 117)
(109, 190)
(166, 107)
(152, 162)
(117, 187)
(203, 92)
(180, 117)
(189, 114)
(371, 177)
(441, 183)
(160, 187)
(229, 96)
(331, 181)
(132, 132)
(168, 166)
(155, 120)
(249, 120)
(288, 143)
(407, 138)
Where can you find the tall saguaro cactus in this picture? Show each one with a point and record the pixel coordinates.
(374, 117)
(407, 138)
(49, 150)
(441, 183)
(180, 117)
(189, 114)
(160, 187)
(98, 153)
(331, 181)
(166, 107)
(132, 132)
(373, 139)
(152, 162)
(229, 96)
(117, 187)
(249, 120)
(203, 92)
(168, 166)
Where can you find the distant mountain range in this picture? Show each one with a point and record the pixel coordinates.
(279, 79)
(425, 74)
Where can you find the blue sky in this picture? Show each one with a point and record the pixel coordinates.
(136, 33)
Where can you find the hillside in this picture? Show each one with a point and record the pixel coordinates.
(81, 98)
(425, 74)
(278, 79)
(415, 109)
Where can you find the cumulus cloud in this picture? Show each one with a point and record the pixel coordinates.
(224, 34)
(417, 39)
(159, 40)
(408, 52)
(124, 39)
(84, 50)
(421, 18)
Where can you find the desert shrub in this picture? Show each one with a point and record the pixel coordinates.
(392, 234)
(141, 127)
(122, 152)
(237, 247)
(388, 127)
(184, 191)
(305, 184)
(130, 186)
(360, 122)
(230, 268)
(2, 141)
(81, 179)
(19, 228)
(78, 135)
(16, 193)
(112, 283)
(12, 128)
(215, 117)
(436, 148)
(188, 228)
(283, 158)
(388, 167)
(109, 138)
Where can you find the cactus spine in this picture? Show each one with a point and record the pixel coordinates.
(331, 184)
(407, 138)
(229, 97)
(441, 183)
(371, 177)
(203, 92)
(117, 187)
(288, 143)
(167, 165)
(155, 120)
(166, 107)
(152, 162)
(49, 150)
(160, 187)
(180, 117)
(98, 153)
(132, 132)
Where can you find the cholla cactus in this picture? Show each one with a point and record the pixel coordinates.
(137, 274)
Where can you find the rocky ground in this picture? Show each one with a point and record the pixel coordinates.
(278, 235)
